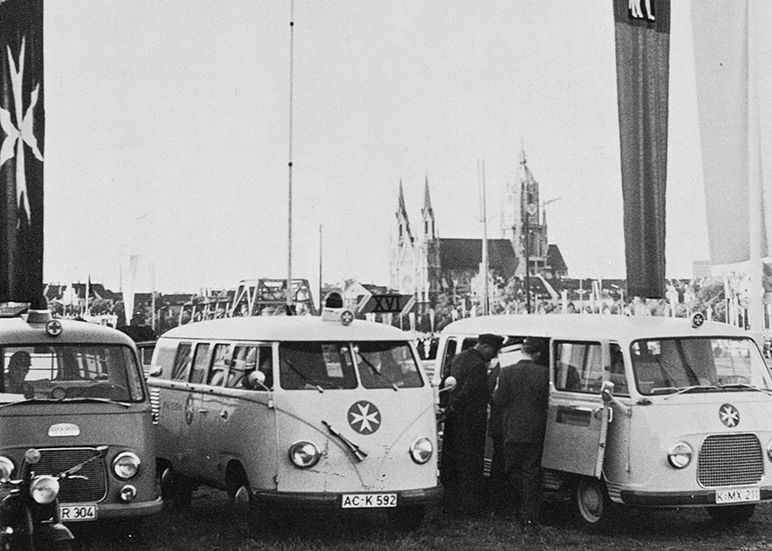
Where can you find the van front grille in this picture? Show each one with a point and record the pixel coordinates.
(75, 490)
(730, 459)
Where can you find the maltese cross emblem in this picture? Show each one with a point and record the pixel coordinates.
(729, 415)
(364, 417)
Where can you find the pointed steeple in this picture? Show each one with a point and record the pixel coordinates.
(427, 213)
(402, 219)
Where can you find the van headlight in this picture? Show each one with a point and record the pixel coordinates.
(126, 465)
(421, 450)
(769, 450)
(6, 468)
(304, 454)
(680, 455)
(44, 489)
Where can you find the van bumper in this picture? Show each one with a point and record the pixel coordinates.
(422, 496)
(682, 499)
(134, 509)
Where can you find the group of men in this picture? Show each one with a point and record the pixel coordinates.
(517, 395)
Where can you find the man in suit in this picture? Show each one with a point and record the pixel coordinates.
(464, 436)
(522, 392)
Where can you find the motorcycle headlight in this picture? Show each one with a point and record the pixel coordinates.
(680, 455)
(6, 468)
(304, 454)
(44, 489)
(126, 465)
(421, 450)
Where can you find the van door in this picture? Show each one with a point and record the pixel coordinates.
(577, 420)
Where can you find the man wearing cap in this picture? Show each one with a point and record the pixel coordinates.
(523, 393)
(464, 436)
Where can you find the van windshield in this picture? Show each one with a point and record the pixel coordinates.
(70, 371)
(386, 365)
(665, 366)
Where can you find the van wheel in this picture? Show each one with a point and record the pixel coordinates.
(176, 490)
(593, 507)
(406, 518)
(732, 514)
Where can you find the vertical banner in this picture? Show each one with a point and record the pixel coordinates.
(21, 150)
(732, 48)
(642, 36)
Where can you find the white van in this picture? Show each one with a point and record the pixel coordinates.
(645, 411)
(297, 411)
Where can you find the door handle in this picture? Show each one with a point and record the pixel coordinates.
(203, 411)
(224, 414)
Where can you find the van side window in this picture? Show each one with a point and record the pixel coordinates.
(265, 355)
(164, 354)
(617, 370)
(182, 362)
(219, 364)
(578, 367)
(244, 360)
(200, 363)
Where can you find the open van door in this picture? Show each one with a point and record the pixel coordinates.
(577, 417)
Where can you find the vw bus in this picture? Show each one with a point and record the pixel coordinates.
(71, 389)
(645, 411)
(296, 412)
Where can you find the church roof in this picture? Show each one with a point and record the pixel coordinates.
(555, 259)
(467, 253)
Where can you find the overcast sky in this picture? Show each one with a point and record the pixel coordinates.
(167, 133)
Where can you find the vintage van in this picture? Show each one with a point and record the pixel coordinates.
(66, 388)
(298, 412)
(645, 411)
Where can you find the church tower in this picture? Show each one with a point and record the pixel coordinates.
(429, 255)
(403, 251)
(529, 232)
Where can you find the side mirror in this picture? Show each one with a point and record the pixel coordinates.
(449, 384)
(607, 391)
(154, 371)
(256, 379)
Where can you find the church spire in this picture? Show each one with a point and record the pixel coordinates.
(402, 219)
(427, 212)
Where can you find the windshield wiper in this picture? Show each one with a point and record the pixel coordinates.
(692, 388)
(359, 454)
(745, 386)
(377, 373)
(302, 375)
(57, 401)
(30, 401)
(89, 399)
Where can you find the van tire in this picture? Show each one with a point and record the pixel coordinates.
(176, 490)
(407, 518)
(731, 515)
(594, 509)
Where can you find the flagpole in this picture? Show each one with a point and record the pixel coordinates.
(755, 321)
(289, 187)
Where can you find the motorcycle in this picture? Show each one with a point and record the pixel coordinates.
(29, 508)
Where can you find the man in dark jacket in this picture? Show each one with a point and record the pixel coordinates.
(523, 392)
(464, 436)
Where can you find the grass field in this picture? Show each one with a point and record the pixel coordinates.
(212, 524)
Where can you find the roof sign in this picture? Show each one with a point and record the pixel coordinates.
(385, 304)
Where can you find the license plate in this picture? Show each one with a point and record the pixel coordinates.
(737, 495)
(366, 501)
(77, 512)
